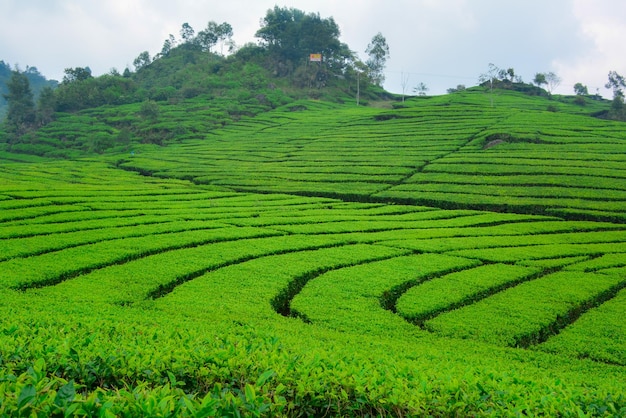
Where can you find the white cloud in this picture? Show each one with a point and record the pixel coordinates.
(603, 25)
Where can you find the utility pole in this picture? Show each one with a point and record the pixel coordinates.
(358, 86)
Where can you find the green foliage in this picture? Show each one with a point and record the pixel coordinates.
(580, 89)
(149, 110)
(76, 74)
(21, 115)
(291, 35)
(378, 52)
(212, 34)
(37, 82)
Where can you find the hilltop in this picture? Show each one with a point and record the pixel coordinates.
(191, 87)
(298, 55)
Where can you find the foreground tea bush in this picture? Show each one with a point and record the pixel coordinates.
(133, 365)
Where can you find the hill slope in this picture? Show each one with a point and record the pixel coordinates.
(452, 151)
(447, 258)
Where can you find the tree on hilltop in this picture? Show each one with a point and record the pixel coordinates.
(617, 83)
(168, 44)
(46, 105)
(421, 89)
(187, 32)
(378, 52)
(540, 79)
(580, 89)
(553, 81)
(291, 35)
(214, 33)
(509, 75)
(491, 77)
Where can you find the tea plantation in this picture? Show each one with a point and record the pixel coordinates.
(445, 257)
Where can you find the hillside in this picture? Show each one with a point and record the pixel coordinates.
(298, 55)
(445, 257)
(169, 100)
(452, 152)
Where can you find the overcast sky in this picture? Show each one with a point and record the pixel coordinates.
(441, 43)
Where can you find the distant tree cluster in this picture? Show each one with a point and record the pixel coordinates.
(21, 114)
(37, 83)
(27, 108)
(459, 87)
(205, 41)
(290, 36)
(501, 78)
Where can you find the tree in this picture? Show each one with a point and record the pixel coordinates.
(187, 32)
(459, 87)
(378, 52)
(507, 75)
(149, 110)
(207, 38)
(279, 32)
(142, 60)
(421, 89)
(617, 83)
(224, 36)
(76, 74)
(213, 34)
(490, 77)
(580, 89)
(553, 81)
(290, 36)
(21, 113)
(46, 105)
(540, 79)
(404, 80)
(168, 44)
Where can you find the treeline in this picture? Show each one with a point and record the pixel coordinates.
(36, 80)
(280, 65)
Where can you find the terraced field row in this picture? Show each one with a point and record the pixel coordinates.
(506, 279)
(434, 153)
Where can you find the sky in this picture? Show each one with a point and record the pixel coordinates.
(441, 43)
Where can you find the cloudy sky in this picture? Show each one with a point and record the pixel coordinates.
(441, 43)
